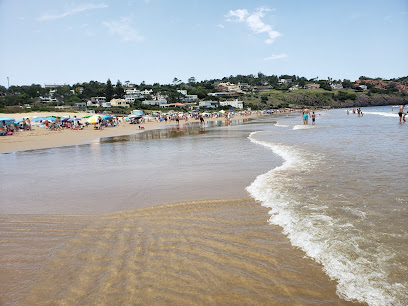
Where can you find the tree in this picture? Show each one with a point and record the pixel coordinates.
(119, 91)
(192, 80)
(109, 91)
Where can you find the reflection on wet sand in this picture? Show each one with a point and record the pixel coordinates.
(219, 251)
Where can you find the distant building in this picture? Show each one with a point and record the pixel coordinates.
(262, 88)
(336, 86)
(182, 91)
(106, 104)
(312, 86)
(52, 85)
(208, 104)
(119, 103)
(229, 87)
(244, 86)
(98, 100)
(294, 87)
(160, 103)
(221, 94)
(285, 81)
(235, 103)
(363, 87)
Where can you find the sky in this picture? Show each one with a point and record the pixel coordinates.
(155, 41)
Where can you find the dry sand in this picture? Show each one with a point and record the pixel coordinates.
(41, 138)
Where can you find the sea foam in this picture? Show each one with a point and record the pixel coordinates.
(357, 272)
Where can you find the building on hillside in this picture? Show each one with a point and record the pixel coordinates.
(119, 103)
(312, 86)
(208, 104)
(243, 86)
(363, 87)
(177, 105)
(190, 98)
(80, 105)
(230, 87)
(235, 103)
(221, 94)
(47, 99)
(294, 87)
(106, 104)
(285, 81)
(261, 88)
(182, 91)
(92, 103)
(79, 90)
(336, 86)
(98, 100)
(160, 103)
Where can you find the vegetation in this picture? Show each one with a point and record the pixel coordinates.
(287, 93)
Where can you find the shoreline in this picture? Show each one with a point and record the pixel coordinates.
(41, 138)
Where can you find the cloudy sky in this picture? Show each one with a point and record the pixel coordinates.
(64, 42)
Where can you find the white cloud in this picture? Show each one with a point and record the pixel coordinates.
(254, 22)
(220, 26)
(124, 30)
(71, 11)
(276, 56)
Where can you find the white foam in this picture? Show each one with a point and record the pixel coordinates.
(303, 127)
(384, 114)
(281, 125)
(359, 273)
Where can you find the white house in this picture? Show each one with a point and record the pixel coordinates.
(160, 103)
(208, 104)
(336, 86)
(235, 103)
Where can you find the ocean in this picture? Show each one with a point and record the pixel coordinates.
(260, 211)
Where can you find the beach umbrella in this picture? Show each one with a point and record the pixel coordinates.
(50, 118)
(107, 117)
(93, 119)
(38, 119)
(7, 120)
(87, 116)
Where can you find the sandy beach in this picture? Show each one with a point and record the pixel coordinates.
(41, 138)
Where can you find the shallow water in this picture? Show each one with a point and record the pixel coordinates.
(336, 190)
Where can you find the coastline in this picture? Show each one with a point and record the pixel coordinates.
(41, 138)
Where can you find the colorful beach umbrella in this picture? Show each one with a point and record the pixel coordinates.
(50, 118)
(93, 119)
(38, 119)
(87, 116)
(7, 120)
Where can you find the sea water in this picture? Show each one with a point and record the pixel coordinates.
(336, 189)
(341, 196)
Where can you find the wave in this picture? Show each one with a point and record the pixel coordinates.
(330, 241)
(303, 127)
(384, 114)
(281, 125)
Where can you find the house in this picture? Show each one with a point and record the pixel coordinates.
(80, 105)
(160, 103)
(230, 87)
(235, 103)
(336, 86)
(132, 94)
(177, 105)
(119, 103)
(190, 98)
(208, 104)
(106, 104)
(98, 100)
(244, 86)
(363, 87)
(312, 86)
(285, 81)
(294, 87)
(183, 92)
(262, 88)
(221, 94)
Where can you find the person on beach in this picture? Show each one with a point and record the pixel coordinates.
(313, 118)
(401, 112)
(28, 124)
(305, 113)
(201, 118)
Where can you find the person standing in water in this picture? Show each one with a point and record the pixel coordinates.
(305, 113)
(313, 118)
(401, 112)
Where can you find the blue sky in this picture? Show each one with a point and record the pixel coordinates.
(65, 42)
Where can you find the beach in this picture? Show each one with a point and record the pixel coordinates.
(41, 138)
(261, 211)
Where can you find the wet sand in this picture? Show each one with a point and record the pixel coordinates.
(204, 252)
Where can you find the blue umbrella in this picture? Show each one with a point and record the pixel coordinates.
(50, 118)
(38, 119)
(106, 117)
(7, 120)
